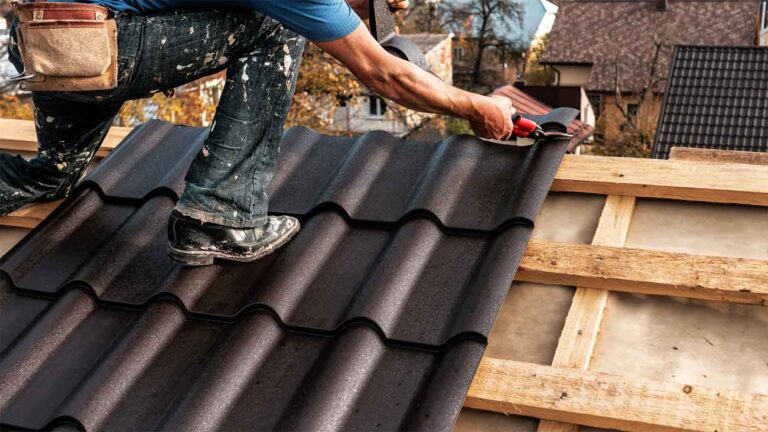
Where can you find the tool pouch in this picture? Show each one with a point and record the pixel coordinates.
(66, 46)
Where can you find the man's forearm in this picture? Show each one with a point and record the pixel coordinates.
(409, 86)
(416, 89)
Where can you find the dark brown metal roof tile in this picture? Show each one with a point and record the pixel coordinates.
(373, 318)
(463, 182)
(412, 280)
(156, 369)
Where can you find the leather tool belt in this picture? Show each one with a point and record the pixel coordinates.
(66, 46)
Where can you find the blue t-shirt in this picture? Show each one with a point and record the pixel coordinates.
(317, 20)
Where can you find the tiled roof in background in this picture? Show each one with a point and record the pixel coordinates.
(603, 32)
(527, 104)
(717, 99)
(374, 318)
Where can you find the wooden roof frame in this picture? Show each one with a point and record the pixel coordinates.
(566, 393)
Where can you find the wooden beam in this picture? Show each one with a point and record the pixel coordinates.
(20, 136)
(579, 335)
(582, 325)
(667, 179)
(718, 156)
(647, 178)
(732, 280)
(30, 216)
(609, 401)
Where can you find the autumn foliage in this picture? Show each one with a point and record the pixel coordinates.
(14, 107)
(191, 107)
(323, 84)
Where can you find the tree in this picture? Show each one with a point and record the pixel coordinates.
(323, 85)
(535, 73)
(485, 24)
(423, 16)
(636, 123)
(13, 107)
(192, 105)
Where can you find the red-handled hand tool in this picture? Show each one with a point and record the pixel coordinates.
(525, 128)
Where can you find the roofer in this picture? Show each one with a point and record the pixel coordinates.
(163, 44)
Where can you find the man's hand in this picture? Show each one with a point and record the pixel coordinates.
(495, 118)
(361, 6)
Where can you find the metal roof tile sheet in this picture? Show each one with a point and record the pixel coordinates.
(465, 183)
(412, 280)
(374, 317)
(71, 360)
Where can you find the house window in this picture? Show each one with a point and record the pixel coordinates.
(376, 106)
(458, 54)
(596, 100)
(632, 110)
(764, 15)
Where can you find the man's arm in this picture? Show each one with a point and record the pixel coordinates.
(410, 86)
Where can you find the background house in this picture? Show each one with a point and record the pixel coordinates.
(619, 51)
(763, 23)
(717, 98)
(371, 112)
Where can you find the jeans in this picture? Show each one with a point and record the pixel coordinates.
(227, 182)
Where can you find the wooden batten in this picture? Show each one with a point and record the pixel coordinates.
(733, 280)
(664, 179)
(20, 136)
(610, 401)
(30, 216)
(718, 156)
(582, 325)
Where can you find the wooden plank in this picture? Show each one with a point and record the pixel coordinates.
(732, 280)
(648, 178)
(609, 401)
(667, 179)
(718, 156)
(582, 325)
(30, 216)
(20, 136)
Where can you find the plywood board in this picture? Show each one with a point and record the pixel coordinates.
(700, 342)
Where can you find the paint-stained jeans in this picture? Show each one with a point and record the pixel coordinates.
(227, 182)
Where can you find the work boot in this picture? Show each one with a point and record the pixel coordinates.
(195, 243)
